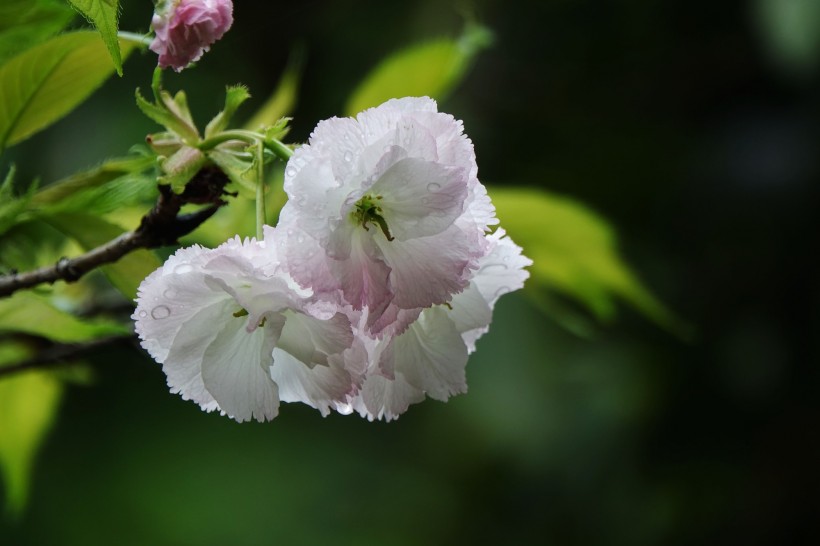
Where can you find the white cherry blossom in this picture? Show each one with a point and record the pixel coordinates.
(386, 211)
(235, 334)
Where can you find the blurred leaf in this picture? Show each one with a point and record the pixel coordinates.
(430, 69)
(28, 405)
(99, 176)
(791, 29)
(283, 99)
(11, 205)
(34, 314)
(126, 190)
(29, 245)
(125, 274)
(574, 252)
(234, 97)
(45, 83)
(24, 23)
(104, 14)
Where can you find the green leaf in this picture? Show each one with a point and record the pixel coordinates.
(30, 244)
(104, 14)
(28, 406)
(430, 69)
(181, 167)
(127, 273)
(283, 100)
(574, 252)
(176, 122)
(11, 205)
(43, 84)
(234, 97)
(24, 23)
(111, 170)
(791, 31)
(34, 314)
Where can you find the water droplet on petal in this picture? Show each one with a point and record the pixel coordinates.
(300, 239)
(348, 157)
(143, 313)
(426, 200)
(169, 293)
(490, 268)
(433, 186)
(181, 269)
(160, 312)
(290, 172)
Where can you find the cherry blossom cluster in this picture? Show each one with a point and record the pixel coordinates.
(368, 295)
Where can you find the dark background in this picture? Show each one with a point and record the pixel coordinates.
(687, 124)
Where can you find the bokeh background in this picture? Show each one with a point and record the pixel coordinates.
(692, 126)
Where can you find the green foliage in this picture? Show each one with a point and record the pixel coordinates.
(104, 14)
(11, 205)
(234, 97)
(430, 69)
(28, 404)
(791, 30)
(283, 99)
(35, 314)
(24, 23)
(44, 83)
(574, 252)
(90, 231)
(167, 112)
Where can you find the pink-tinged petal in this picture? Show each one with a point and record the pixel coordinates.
(385, 399)
(320, 387)
(235, 371)
(312, 341)
(502, 270)
(429, 270)
(363, 277)
(471, 314)
(420, 198)
(431, 355)
(187, 29)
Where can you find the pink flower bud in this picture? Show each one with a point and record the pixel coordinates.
(187, 28)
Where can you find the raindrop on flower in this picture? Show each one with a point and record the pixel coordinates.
(290, 172)
(433, 187)
(143, 314)
(160, 312)
(489, 268)
(182, 269)
(169, 293)
(348, 157)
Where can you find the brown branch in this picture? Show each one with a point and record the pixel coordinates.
(61, 353)
(163, 225)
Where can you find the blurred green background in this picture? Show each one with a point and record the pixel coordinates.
(691, 125)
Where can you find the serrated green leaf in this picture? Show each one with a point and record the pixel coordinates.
(574, 252)
(125, 274)
(169, 119)
(234, 97)
(283, 99)
(11, 205)
(93, 178)
(28, 405)
(34, 314)
(30, 244)
(43, 84)
(429, 69)
(24, 23)
(104, 14)
(129, 189)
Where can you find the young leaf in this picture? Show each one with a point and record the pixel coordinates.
(104, 14)
(234, 97)
(574, 252)
(11, 205)
(94, 178)
(24, 23)
(127, 273)
(28, 405)
(430, 69)
(34, 314)
(43, 84)
(174, 122)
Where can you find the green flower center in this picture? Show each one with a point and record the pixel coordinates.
(367, 210)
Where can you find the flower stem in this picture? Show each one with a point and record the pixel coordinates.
(260, 190)
(139, 39)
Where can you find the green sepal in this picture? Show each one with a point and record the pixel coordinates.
(234, 97)
(237, 170)
(278, 130)
(181, 167)
(171, 120)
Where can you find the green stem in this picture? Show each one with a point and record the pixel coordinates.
(139, 39)
(260, 190)
(279, 148)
